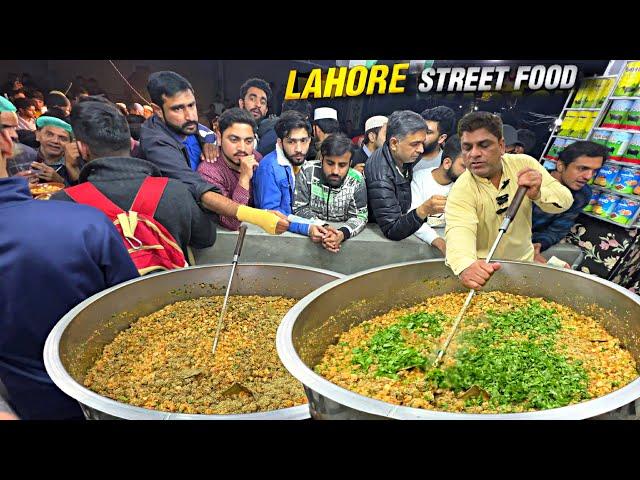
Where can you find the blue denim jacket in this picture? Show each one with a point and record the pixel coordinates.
(274, 186)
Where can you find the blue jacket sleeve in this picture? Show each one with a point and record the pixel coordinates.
(300, 228)
(265, 189)
(206, 134)
(556, 230)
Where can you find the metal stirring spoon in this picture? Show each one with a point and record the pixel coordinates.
(236, 256)
(508, 217)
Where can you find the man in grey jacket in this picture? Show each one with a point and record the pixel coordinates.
(331, 191)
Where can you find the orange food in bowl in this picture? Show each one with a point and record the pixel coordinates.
(42, 188)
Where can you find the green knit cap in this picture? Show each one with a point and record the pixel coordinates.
(46, 121)
(6, 105)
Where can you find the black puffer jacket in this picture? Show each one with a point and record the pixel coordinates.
(389, 194)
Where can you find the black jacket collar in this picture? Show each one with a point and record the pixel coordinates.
(117, 168)
(407, 168)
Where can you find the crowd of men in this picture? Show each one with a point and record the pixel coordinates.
(153, 176)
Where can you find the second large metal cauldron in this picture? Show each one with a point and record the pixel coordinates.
(317, 321)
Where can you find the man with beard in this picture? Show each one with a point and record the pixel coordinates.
(432, 185)
(274, 179)
(198, 141)
(268, 136)
(331, 191)
(388, 174)
(104, 142)
(374, 136)
(478, 201)
(325, 122)
(255, 95)
(162, 140)
(441, 124)
(233, 171)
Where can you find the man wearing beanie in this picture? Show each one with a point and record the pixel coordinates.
(54, 135)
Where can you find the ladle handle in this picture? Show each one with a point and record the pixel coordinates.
(241, 233)
(517, 201)
(513, 208)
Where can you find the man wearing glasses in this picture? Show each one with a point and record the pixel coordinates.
(274, 180)
(479, 199)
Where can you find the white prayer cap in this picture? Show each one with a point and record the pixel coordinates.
(325, 112)
(374, 122)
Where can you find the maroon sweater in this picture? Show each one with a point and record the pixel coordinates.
(220, 175)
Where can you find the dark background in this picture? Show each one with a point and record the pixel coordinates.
(524, 109)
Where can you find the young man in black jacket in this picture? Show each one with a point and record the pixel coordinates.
(388, 174)
(104, 141)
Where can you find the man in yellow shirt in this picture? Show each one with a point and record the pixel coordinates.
(482, 194)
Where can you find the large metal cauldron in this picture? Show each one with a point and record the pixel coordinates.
(315, 322)
(78, 339)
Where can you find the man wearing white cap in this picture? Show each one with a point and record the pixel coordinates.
(325, 122)
(374, 136)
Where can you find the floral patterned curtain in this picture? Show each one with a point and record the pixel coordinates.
(604, 245)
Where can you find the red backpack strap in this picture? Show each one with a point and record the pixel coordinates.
(149, 195)
(87, 194)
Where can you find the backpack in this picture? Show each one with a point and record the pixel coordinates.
(148, 242)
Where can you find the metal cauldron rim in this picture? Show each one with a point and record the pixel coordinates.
(66, 383)
(294, 364)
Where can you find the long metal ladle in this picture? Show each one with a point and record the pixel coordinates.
(508, 217)
(236, 256)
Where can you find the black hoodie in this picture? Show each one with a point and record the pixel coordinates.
(120, 178)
